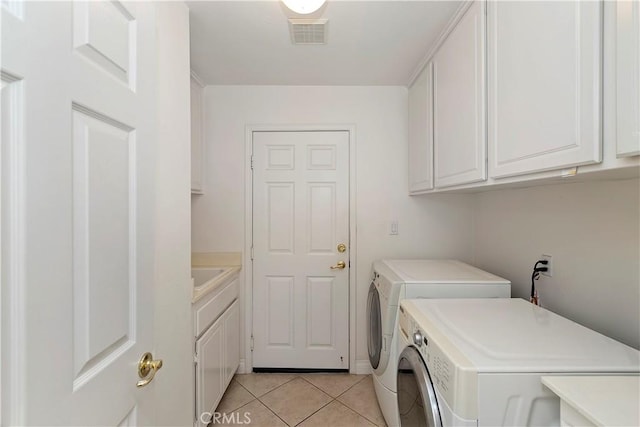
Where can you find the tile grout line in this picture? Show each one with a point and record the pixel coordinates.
(332, 399)
(269, 408)
(264, 394)
(313, 413)
(321, 391)
(273, 389)
(245, 389)
(263, 403)
(352, 386)
(356, 411)
(346, 390)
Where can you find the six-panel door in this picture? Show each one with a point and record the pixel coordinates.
(78, 141)
(300, 216)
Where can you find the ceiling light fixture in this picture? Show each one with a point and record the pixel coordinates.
(304, 7)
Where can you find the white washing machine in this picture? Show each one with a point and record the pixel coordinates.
(393, 280)
(479, 361)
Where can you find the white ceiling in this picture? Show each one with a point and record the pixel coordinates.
(239, 42)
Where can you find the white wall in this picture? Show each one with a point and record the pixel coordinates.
(172, 314)
(437, 226)
(591, 229)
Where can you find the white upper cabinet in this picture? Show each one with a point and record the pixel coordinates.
(544, 85)
(628, 78)
(197, 136)
(459, 102)
(421, 132)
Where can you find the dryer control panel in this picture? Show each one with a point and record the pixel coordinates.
(441, 369)
(451, 373)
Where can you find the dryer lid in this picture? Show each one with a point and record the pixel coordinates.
(512, 335)
(440, 271)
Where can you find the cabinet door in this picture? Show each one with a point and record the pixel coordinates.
(628, 77)
(544, 85)
(459, 102)
(210, 368)
(197, 151)
(421, 132)
(232, 341)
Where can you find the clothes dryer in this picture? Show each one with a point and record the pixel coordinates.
(479, 362)
(393, 280)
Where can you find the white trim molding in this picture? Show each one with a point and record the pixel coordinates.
(197, 79)
(12, 294)
(457, 16)
(363, 367)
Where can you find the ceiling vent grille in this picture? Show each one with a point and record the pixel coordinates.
(308, 31)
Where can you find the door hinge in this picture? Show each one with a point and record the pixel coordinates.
(195, 359)
(251, 253)
(252, 162)
(251, 342)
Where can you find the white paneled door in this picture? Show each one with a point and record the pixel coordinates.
(300, 219)
(78, 152)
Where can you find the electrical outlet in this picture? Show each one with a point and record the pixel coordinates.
(549, 272)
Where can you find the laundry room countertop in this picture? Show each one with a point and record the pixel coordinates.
(602, 400)
(229, 262)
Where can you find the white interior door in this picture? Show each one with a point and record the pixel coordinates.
(300, 216)
(78, 206)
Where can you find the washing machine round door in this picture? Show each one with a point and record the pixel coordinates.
(417, 402)
(374, 326)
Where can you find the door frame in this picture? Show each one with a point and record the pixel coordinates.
(246, 365)
(12, 295)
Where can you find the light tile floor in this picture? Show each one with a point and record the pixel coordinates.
(308, 400)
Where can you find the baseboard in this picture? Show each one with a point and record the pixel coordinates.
(363, 367)
(298, 370)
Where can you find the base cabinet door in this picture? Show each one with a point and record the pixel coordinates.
(544, 85)
(232, 341)
(628, 77)
(459, 102)
(209, 370)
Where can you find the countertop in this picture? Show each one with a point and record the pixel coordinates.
(603, 400)
(231, 262)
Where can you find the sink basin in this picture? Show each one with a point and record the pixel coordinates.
(202, 276)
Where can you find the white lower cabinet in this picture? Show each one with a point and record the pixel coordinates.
(544, 85)
(628, 78)
(459, 102)
(209, 369)
(232, 341)
(217, 358)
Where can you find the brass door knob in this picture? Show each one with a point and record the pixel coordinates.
(342, 248)
(147, 368)
(339, 266)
